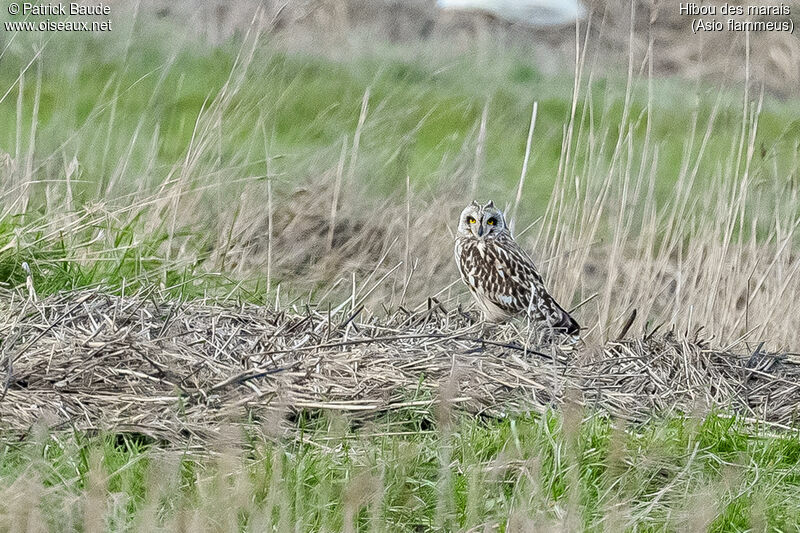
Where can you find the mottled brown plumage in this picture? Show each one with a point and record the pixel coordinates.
(500, 275)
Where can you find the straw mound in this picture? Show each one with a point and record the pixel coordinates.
(92, 361)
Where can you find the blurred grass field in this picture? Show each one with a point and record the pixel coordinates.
(247, 171)
(106, 102)
(554, 473)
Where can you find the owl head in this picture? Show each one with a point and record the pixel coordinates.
(481, 221)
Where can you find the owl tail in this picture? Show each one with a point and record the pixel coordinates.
(561, 321)
(567, 324)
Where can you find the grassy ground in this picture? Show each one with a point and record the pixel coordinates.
(146, 159)
(555, 473)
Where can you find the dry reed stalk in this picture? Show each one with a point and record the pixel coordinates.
(480, 147)
(524, 172)
(336, 190)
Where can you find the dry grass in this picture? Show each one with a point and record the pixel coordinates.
(184, 371)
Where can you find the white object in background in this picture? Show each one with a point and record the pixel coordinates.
(533, 12)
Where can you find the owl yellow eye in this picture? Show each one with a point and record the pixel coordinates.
(492, 221)
(471, 220)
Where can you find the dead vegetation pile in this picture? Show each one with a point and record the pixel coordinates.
(181, 371)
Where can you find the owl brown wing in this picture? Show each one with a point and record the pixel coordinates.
(526, 286)
(500, 273)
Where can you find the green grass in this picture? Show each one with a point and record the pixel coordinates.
(409, 474)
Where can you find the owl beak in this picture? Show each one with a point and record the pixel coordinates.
(480, 231)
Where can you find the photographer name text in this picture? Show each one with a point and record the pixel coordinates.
(71, 9)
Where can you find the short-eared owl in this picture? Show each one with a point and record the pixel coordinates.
(500, 275)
